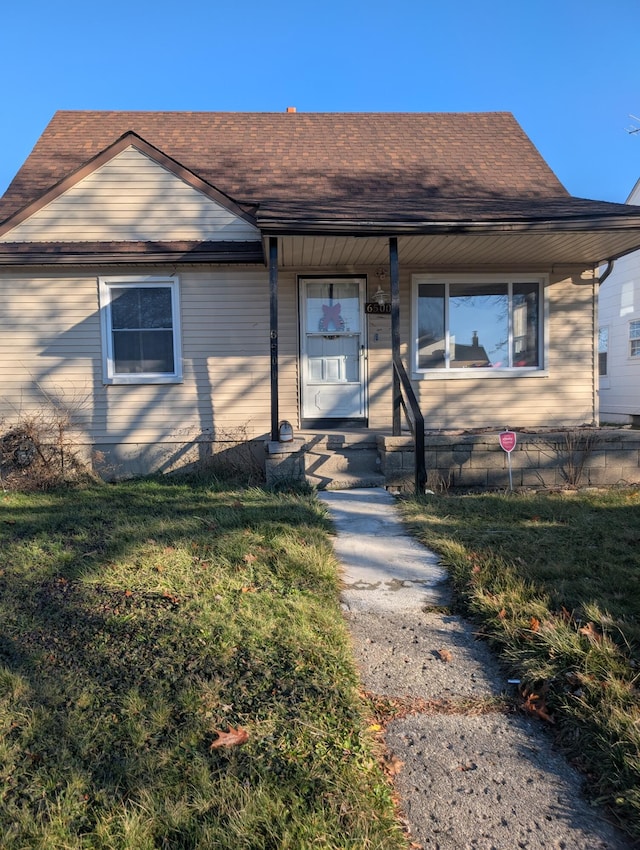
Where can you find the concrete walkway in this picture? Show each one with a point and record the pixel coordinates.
(487, 781)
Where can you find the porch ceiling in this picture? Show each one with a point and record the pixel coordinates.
(582, 249)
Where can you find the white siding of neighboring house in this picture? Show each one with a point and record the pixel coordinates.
(131, 197)
(618, 305)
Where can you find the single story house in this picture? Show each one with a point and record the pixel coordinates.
(177, 279)
(619, 338)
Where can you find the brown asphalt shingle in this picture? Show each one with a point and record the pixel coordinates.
(367, 161)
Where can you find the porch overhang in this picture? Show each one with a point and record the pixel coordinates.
(512, 249)
(541, 234)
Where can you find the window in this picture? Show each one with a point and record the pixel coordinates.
(141, 330)
(477, 323)
(603, 350)
(634, 339)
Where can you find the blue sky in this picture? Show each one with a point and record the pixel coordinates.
(569, 71)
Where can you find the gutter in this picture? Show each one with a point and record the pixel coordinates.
(352, 227)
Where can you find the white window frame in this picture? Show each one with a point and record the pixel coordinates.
(105, 286)
(448, 373)
(634, 336)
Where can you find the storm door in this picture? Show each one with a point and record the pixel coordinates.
(332, 348)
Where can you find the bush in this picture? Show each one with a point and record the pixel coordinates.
(37, 453)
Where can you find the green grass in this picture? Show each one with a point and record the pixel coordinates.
(553, 582)
(137, 621)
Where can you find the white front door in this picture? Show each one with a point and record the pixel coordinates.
(332, 348)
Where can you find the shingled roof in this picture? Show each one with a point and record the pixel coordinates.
(310, 170)
(280, 159)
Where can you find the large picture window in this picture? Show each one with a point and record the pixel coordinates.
(478, 323)
(141, 330)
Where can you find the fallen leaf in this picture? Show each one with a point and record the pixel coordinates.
(590, 632)
(502, 614)
(249, 589)
(173, 599)
(535, 624)
(232, 738)
(128, 593)
(249, 558)
(393, 766)
(445, 655)
(535, 705)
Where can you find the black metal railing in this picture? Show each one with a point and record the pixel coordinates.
(407, 401)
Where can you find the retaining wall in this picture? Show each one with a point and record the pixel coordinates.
(573, 458)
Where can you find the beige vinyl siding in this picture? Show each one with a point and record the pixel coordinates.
(562, 396)
(131, 198)
(288, 348)
(379, 360)
(50, 348)
(225, 392)
(50, 354)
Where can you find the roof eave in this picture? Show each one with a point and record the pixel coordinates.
(425, 227)
(64, 255)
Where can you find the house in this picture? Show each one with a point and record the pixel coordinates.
(619, 337)
(174, 279)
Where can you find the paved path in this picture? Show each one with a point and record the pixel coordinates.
(489, 781)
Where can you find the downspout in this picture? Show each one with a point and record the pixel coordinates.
(273, 333)
(607, 271)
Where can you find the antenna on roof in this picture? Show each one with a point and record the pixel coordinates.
(632, 130)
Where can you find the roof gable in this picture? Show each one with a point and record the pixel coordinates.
(130, 192)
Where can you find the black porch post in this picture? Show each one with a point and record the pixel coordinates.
(273, 327)
(395, 331)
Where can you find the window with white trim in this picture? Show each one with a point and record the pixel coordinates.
(634, 339)
(140, 320)
(481, 322)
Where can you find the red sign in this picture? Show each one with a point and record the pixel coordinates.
(508, 440)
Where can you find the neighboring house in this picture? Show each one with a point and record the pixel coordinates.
(174, 279)
(619, 338)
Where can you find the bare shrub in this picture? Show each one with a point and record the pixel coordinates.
(235, 457)
(572, 449)
(437, 482)
(38, 453)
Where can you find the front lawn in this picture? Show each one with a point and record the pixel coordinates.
(139, 621)
(553, 581)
